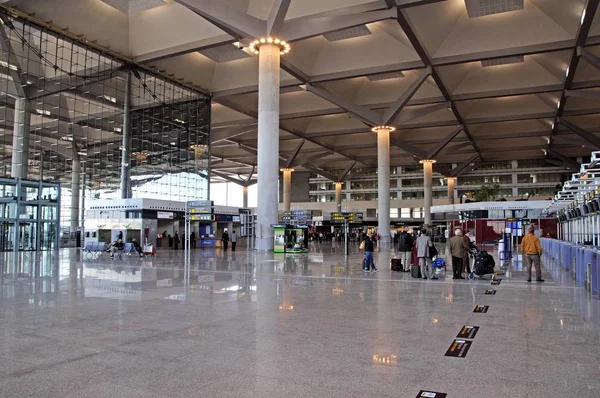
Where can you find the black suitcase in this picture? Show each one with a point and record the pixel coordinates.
(396, 264)
(415, 271)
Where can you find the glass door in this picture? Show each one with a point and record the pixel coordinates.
(27, 236)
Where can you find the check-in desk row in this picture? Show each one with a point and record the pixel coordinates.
(582, 262)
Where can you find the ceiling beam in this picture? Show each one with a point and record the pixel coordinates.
(277, 16)
(321, 172)
(311, 160)
(228, 178)
(461, 168)
(410, 114)
(17, 76)
(586, 135)
(225, 134)
(408, 148)
(593, 59)
(588, 94)
(401, 102)
(438, 148)
(344, 174)
(570, 163)
(581, 37)
(410, 32)
(292, 157)
(231, 21)
(301, 28)
(254, 115)
(364, 114)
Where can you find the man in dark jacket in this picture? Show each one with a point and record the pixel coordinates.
(369, 249)
(405, 244)
(225, 240)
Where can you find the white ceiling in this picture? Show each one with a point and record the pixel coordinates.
(507, 110)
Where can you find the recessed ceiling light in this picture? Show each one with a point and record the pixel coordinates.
(517, 59)
(480, 8)
(349, 33)
(132, 7)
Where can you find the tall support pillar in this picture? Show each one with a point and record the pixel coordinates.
(383, 183)
(268, 144)
(75, 188)
(126, 151)
(245, 197)
(338, 196)
(451, 185)
(427, 190)
(20, 151)
(287, 189)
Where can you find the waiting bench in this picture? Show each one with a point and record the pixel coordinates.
(94, 250)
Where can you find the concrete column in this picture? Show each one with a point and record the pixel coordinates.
(268, 144)
(245, 197)
(20, 150)
(427, 190)
(126, 152)
(383, 184)
(287, 189)
(75, 188)
(451, 184)
(338, 196)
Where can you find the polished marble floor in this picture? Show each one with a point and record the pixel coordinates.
(247, 324)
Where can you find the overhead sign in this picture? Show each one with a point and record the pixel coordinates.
(169, 215)
(352, 218)
(201, 217)
(200, 207)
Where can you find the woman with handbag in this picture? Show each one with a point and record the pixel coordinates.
(426, 251)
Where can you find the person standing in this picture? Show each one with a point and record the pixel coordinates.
(458, 250)
(405, 244)
(193, 240)
(176, 240)
(120, 236)
(233, 240)
(369, 249)
(424, 245)
(466, 262)
(225, 240)
(532, 251)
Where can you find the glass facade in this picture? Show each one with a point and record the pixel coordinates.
(63, 109)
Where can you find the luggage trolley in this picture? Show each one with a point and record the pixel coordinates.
(482, 265)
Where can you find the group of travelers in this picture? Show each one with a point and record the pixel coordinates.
(225, 240)
(418, 249)
(119, 245)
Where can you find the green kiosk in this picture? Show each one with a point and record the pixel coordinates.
(290, 238)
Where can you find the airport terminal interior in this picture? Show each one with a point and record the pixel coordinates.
(192, 191)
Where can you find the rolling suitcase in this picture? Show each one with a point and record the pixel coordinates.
(415, 271)
(396, 264)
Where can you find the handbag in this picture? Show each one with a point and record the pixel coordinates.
(432, 252)
(362, 245)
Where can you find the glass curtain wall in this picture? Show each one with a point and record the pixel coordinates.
(63, 110)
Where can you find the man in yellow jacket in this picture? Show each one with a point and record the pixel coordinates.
(532, 251)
